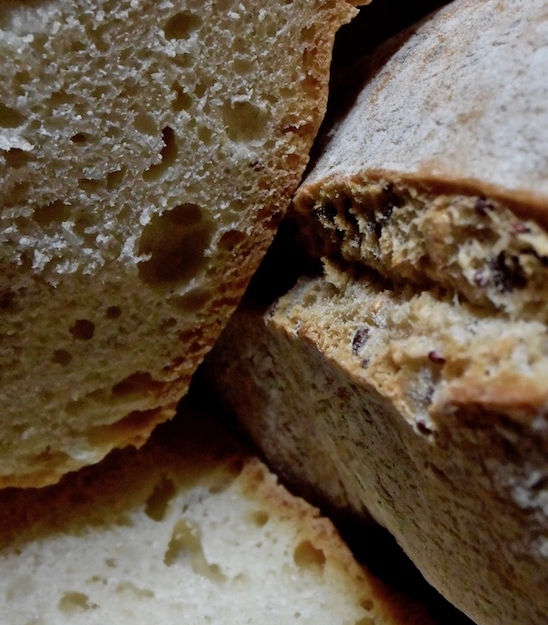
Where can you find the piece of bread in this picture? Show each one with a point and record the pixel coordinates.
(415, 370)
(189, 529)
(147, 150)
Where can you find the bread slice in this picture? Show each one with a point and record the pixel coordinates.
(147, 150)
(189, 529)
(414, 371)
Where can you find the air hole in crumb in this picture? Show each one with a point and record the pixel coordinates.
(184, 214)
(306, 556)
(158, 501)
(170, 322)
(185, 547)
(124, 587)
(22, 77)
(115, 178)
(201, 88)
(181, 25)
(145, 124)
(113, 312)
(62, 357)
(309, 299)
(182, 100)
(366, 621)
(7, 300)
(56, 212)
(168, 155)
(111, 563)
(308, 34)
(83, 329)
(230, 240)
(16, 158)
(293, 161)
(310, 85)
(205, 134)
(60, 98)
(242, 66)
(89, 185)
(260, 518)
(244, 121)
(73, 602)
(77, 46)
(367, 604)
(423, 428)
(79, 138)
(10, 118)
(176, 242)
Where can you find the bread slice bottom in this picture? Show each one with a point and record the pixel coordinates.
(190, 529)
(420, 409)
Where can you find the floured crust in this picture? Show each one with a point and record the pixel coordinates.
(444, 184)
(426, 429)
(417, 364)
(147, 153)
(427, 84)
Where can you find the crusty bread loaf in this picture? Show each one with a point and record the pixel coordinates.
(190, 529)
(415, 370)
(147, 150)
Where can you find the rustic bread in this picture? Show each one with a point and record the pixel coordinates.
(414, 371)
(147, 150)
(190, 529)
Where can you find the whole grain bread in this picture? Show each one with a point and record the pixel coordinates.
(147, 150)
(189, 529)
(414, 371)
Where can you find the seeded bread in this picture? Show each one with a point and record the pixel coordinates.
(190, 529)
(147, 150)
(414, 371)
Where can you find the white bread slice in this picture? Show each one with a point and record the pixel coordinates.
(415, 370)
(190, 529)
(147, 150)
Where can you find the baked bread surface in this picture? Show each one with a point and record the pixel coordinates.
(147, 150)
(414, 370)
(191, 528)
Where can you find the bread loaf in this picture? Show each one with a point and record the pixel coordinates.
(147, 150)
(190, 529)
(414, 371)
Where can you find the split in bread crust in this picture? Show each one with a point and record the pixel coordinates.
(415, 369)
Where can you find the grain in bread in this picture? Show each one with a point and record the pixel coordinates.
(147, 150)
(189, 529)
(417, 364)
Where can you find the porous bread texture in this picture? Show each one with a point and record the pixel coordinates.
(437, 173)
(423, 412)
(189, 529)
(147, 150)
(417, 365)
